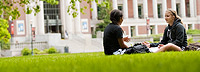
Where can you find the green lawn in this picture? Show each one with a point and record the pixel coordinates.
(187, 61)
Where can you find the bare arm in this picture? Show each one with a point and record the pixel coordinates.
(121, 43)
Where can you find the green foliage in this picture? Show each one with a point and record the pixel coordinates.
(190, 31)
(94, 36)
(4, 34)
(104, 10)
(36, 51)
(26, 51)
(4, 45)
(156, 37)
(72, 10)
(150, 41)
(45, 50)
(198, 41)
(185, 61)
(7, 9)
(190, 40)
(52, 50)
(103, 14)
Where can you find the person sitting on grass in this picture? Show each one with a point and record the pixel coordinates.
(113, 34)
(174, 37)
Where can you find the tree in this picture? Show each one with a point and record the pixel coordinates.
(4, 34)
(7, 9)
(103, 14)
(72, 9)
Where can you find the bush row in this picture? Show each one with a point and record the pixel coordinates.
(195, 31)
(27, 51)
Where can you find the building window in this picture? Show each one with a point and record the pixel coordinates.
(51, 10)
(178, 8)
(159, 10)
(133, 31)
(189, 26)
(152, 29)
(120, 7)
(53, 14)
(140, 11)
(187, 9)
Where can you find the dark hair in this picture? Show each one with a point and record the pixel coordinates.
(115, 16)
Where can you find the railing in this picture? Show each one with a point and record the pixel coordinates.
(196, 37)
(20, 46)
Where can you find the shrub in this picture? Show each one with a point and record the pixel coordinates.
(44, 51)
(190, 40)
(150, 41)
(94, 36)
(198, 41)
(156, 37)
(36, 51)
(52, 50)
(4, 45)
(26, 51)
(190, 31)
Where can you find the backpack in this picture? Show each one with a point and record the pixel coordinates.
(193, 46)
(137, 48)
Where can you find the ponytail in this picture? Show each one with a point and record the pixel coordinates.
(178, 17)
(174, 13)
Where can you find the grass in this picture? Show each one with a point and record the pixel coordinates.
(187, 61)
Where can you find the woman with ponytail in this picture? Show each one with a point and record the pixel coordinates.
(174, 37)
(113, 34)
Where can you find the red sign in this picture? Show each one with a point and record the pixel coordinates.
(33, 33)
(148, 20)
(148, 26)
(12, 28)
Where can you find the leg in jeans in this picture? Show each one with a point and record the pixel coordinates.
(169, 47)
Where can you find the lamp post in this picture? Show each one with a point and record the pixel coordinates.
(31, 39)
(11, 27)
(147, 23)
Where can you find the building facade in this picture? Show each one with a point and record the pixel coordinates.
(138, 12)
(55, 19)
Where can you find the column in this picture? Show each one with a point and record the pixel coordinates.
(78, 19)
(40, 19)
(183, 8)
(195, 8)
(114, 4)
(125, 9)
(193, 26)
(135, 9)
(191, 8)
(145, 8)
(68, 25)
(186, 26)
(31, 19)
(136, 28)
(173, 3)
(129, 31)
(94, 12)
(156, 29)
(164, 7)
(62, 16)
(155, 11)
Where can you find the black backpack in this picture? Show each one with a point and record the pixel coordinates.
(193, 46)
(137, 48)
